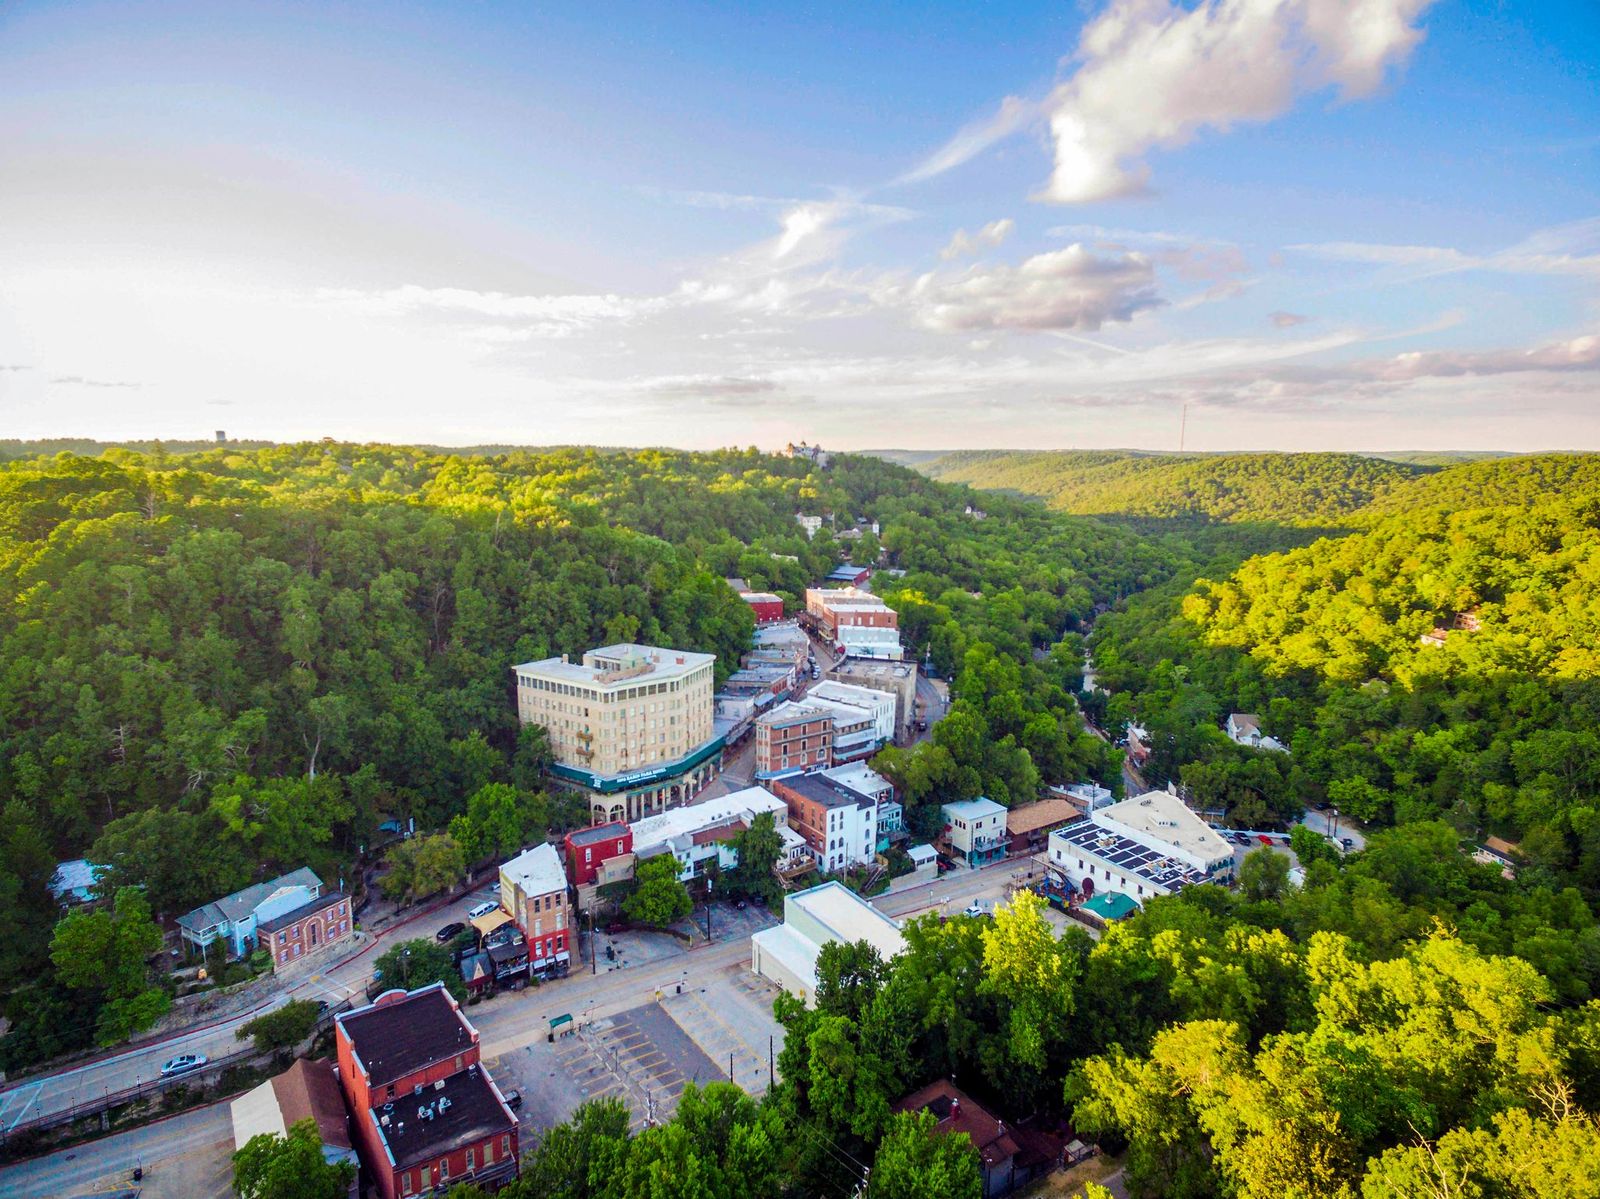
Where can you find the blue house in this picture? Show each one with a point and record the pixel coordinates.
(233, 918)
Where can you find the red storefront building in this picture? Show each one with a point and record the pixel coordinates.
(768, 608)
(588, 849)
(305, 929)
(423, 1110)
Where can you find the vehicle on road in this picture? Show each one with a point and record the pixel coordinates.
(454, 929)
(482, 909)
(182, 1064)
(973, 909)
(513, 1099)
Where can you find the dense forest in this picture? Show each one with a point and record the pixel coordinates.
(1296, 489)
(228, 662)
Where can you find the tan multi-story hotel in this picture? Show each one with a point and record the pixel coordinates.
(630, 725)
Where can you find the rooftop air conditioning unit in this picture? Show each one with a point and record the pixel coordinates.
(439, 1086)
(417, 1090)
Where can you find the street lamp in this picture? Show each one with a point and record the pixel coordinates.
(1335, 823)
(405, 968)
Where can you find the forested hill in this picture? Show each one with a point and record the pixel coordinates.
(1314, 489)
(224, 664)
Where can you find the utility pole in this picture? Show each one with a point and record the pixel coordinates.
(594, 964)
(1183, 425)
(730, 1065)
(772, 1080)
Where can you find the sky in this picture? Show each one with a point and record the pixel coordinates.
(1245, 224)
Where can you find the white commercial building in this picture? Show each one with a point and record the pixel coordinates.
(846, 698)
(827, 915)
(703, 831)
(976, 830)
(863, 641)
(1149, 845)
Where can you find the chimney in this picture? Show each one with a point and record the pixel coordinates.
(955, 1108)
(563, 659)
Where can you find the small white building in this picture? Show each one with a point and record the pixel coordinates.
(1244, 728)
(811, 524)
(1141, 847)
(831, 914)
(976, 830)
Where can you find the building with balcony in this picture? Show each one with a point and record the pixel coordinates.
(864, 719)
(533, 889)
(424, 1112)
(233, 918)
(858, 621)
(630, 726)
(975, 830)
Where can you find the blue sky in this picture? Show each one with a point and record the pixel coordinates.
(1317, 224)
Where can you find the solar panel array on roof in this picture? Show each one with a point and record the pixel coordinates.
(1129, 855)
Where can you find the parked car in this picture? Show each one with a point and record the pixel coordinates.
(182, 1064)
(1348, 843)
(483, 909)
(973, 910)
(513, 1099)
(450, 931)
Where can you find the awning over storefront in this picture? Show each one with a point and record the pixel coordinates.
(608, 783)
(493, 920)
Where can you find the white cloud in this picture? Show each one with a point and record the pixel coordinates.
(1577, 354)
(971, 140)
(1063, 289)
(991, 234)
(1287, 320)
(549, 316)
(1570, 249)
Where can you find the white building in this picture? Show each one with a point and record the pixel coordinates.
(1149, 845)
(1244, 728)
(848, 700)
(864, 641)
(827, 915)
(840, 825)
(809, 523)
(704, 831)
(976, 830)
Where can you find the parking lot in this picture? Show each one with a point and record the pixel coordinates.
(646, 1055)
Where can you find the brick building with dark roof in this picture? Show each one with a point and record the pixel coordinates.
(425, 1112)
(956, 1112)
(302, 931)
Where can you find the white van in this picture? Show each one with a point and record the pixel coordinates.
(483, 909)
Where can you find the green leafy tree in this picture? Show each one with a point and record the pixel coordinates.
(658, 898)
(270, 1166)
(281, 1028)
(411, 965)
(1033, 977)
(498, 821)
(574, 1159)
(1264, 874)
(423, 866)
(105, 953)
(917, 1161)
(758, 848)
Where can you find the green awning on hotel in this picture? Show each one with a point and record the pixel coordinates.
(607, 783)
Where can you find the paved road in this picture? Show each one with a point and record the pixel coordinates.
(194, 1141)
(1324, 822)
(185, 1156)
(47, 1094)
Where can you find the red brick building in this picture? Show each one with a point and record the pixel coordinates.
(423, 1110)
(306, 929)
(768, 608)
(588, 849)
(792, 738)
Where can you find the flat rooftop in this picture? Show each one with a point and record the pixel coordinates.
(464, 1109)
(1164, 816)
(655, 831)
(598, 832)
(538, 871)
(619, 665)
(397, 1037)
(1127, 854)
(849, 917)
(820, 789)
